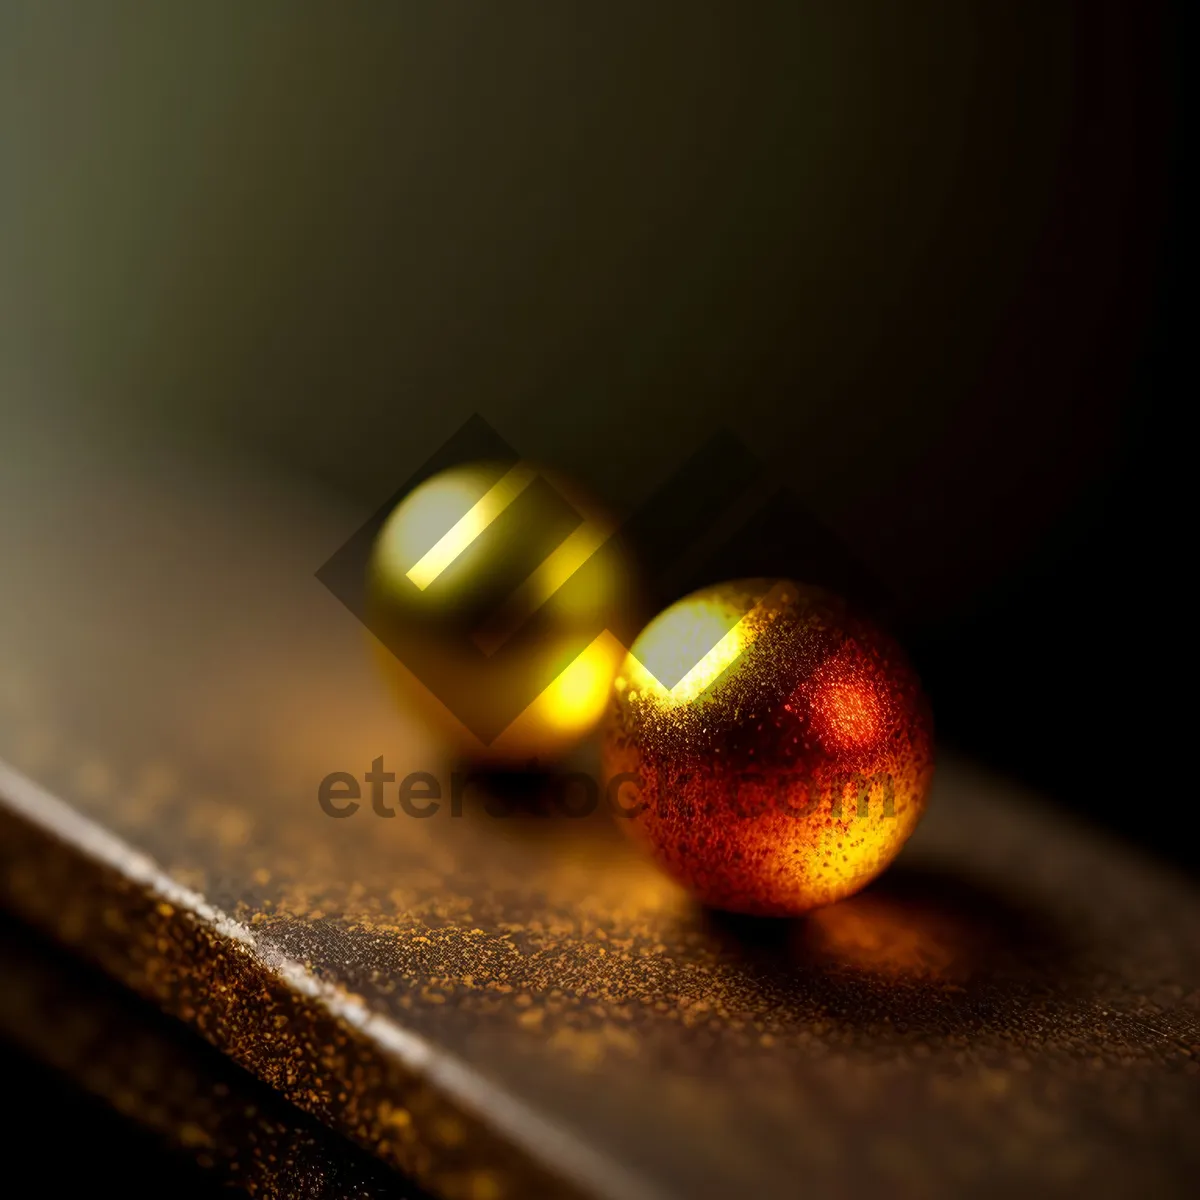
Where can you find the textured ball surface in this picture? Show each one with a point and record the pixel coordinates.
(489, 589)
(772, 749)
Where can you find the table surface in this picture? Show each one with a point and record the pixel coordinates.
(169, 1102)
(500, 1006)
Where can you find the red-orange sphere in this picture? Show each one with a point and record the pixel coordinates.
(772, 748)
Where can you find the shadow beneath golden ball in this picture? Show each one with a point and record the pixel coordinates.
(558, 804)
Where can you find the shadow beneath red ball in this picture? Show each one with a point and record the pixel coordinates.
(923, 949)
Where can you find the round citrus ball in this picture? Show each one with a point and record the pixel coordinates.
(771, 748)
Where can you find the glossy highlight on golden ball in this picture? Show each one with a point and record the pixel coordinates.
(773, 750)
(495, 581)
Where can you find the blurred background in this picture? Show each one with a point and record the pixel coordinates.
(925, 259)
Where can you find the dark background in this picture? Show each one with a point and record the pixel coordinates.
(924, 258)
(51, 1114)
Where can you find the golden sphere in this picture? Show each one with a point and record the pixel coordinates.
(489, 589)
(772, 749)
